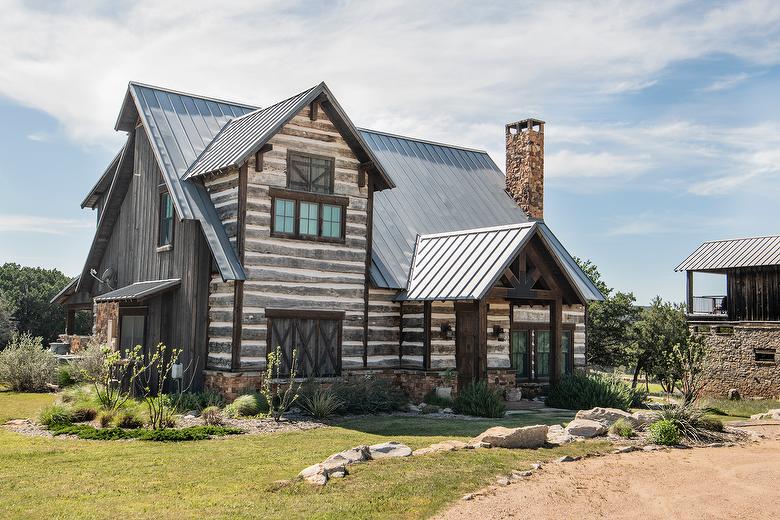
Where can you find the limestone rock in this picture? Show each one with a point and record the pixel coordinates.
(518, 475)
(536, 465)
(351, 456)
(770, 415)
(626, 449)
(557, 435)
(568, 458)
(412, 408)
(605, 416)
(524, 437)
(447, 411)
(444, 392)
(452, 445)
(429, 408)
(502, 481)
(469, 496)
(643, 418)
(514, 394)
(389, 449)
(734, 394)
(314, 474)
(585, 428)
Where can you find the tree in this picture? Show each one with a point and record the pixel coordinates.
(661, 326)
(609, 322)
(29, 291)
(6, 327)
(687, 360)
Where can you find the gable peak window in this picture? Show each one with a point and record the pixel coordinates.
(166, 220)
(307, 172)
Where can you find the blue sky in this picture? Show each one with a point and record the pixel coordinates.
(663, 123)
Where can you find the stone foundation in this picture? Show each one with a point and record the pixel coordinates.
(77, 343)
(105, 329)
(732, 358)
(232, 384)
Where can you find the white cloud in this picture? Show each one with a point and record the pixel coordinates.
(10, 223)
(40, 137)
(659, 223)
(589, 165)
(401, 62)
(726, 82)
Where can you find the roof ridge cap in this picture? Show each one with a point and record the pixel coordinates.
(740, 238)
(420, 140)
(190, 94)
(518, 225)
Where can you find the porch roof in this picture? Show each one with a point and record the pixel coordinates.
(464, 265)
(719, 255)
(139, 290)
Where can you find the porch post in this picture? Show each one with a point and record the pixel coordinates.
(689, 292)
(482, 338)
(70, 321)
(427, 310)
(556, 319)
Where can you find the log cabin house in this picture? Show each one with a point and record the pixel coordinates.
(227, 230)
(741, 328)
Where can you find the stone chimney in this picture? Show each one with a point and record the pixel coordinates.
(525, 165)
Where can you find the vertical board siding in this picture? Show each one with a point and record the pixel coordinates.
(132, 252)
(287, 273)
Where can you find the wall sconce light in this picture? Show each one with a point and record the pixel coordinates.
(499, 332)
(446, 331)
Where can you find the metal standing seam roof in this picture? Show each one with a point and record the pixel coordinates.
(738, 252)
(66, 291)
(139, 290)
(240, 136)
(180, 126)
(103, 183)
(463, 265)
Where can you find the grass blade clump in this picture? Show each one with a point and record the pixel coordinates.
(480, 400)
(581, 391)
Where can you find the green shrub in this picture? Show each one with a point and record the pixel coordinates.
(712, 424)
(65, 376)
(442, 402)
(25, 366)
(581, 391)
(128, 420)
(622, 428)
(367, 395)
(664, 432)
(690, 421)
(193, 433)
(480, 400)
(230, 411)
(210, 398)
(83, 413)
(248, 405)
(106, 418)
(55, 415)
(188, 401)
(320, 403)
(212, 416)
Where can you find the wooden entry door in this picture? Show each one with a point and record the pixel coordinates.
(467, 343)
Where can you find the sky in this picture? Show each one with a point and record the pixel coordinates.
(662, 118)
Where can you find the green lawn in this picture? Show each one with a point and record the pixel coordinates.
(739, 410)
(235, 477)
(22, 406)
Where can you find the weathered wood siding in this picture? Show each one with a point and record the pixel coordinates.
(287, 273)
(179, 319)
(383, 331)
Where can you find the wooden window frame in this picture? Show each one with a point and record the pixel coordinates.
(304, 196)
(529, 326)
(331, 172)
(160, 246)
(133, 311)
(307, 314)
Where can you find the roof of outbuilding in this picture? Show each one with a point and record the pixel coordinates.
(139, 290)
(718, 255)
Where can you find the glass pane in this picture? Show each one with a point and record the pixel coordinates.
(520, 353)
(284, 216)
(321, 179)
(542, 353)
(331, 221)
(307, 223)
(300, 167)
(166, 220)
(566, 365)
(132, 332)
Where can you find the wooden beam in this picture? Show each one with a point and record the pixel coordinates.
(482, 323)
(238, 287)
(313, 109)
(508, 293)
(70, 321)
(512, 279)
(259, 156)
(556, 322)
(427, 311)
(540, 264)
(367, 277)
(400, 332)
(689, 292)
(363, 172)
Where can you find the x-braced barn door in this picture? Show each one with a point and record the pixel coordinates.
(316, 342)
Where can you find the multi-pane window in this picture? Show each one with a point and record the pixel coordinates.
(284, 216)
(331, 221)
(165, 232)
(308, 216)
(310, 173)
(530, 351)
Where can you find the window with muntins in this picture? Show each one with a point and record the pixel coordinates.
(306, 172)
(530, 351)
(165, 232)
(308, 216)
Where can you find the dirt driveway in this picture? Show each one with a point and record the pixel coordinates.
(704, 483)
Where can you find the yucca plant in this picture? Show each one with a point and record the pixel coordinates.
(581, 391)
(320, 403)
(480, 400)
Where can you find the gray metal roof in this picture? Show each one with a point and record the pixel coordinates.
(463, 265)
(139, 290)
(180, 126)
(439, 188)
(103, 183)
(66, 291)
(739, 252)
(241, 136)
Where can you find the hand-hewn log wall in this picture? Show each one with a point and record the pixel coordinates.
(383, 331)
(287, 273)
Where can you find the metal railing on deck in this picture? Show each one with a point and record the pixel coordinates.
(709, 305)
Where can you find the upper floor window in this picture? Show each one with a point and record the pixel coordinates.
(165, 231)
(309, 216)
(306, 172)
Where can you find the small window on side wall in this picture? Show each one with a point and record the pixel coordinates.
(764, 355)
(312, 173)
(166, 223)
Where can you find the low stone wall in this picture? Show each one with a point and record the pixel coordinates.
(232, 384)
(732, 363)
(77, 343)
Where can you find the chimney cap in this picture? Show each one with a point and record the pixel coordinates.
(525, 125)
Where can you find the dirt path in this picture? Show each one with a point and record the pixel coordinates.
(704, 483)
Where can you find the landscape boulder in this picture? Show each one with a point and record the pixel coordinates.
(390, 449)
(452, 445)
(523, 437)
(318, 474)
(354, 455)
(734, 394)
(605, 416)
(585, 428)
(770, 415)
(643, 418)
(429, 408)
(514, 394)
(556, 434)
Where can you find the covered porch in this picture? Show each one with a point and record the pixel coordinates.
(511, 270)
